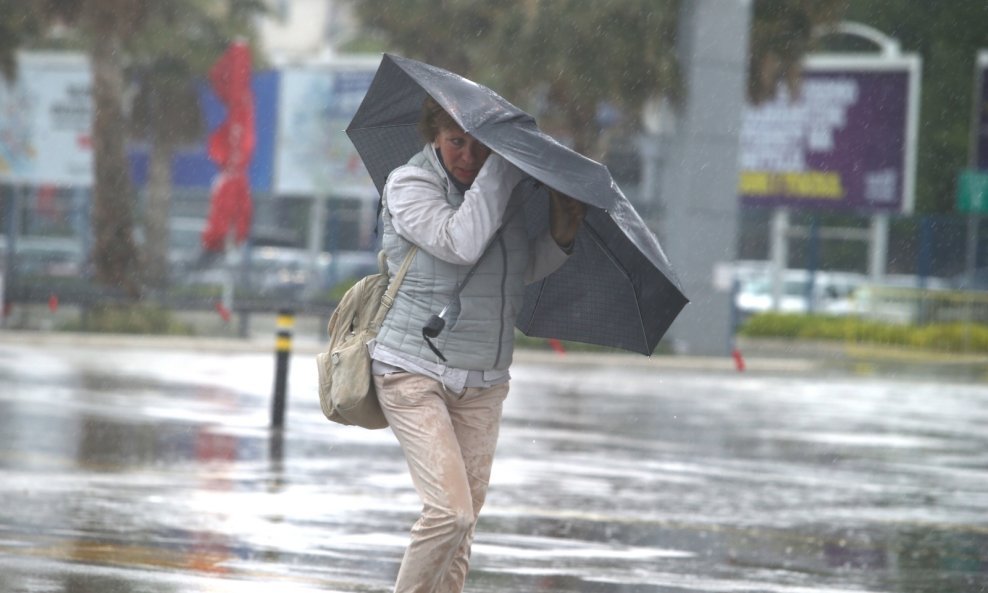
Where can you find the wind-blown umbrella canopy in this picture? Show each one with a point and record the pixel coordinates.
(617, 289)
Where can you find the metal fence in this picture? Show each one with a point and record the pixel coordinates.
(921, 245)
(49, 258)
(920, 306)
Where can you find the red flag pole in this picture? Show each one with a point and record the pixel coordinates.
(231, 146)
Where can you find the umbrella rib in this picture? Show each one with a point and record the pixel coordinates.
(599, 241)
(380, 127)
(538, 300)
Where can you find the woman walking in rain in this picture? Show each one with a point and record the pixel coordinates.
(455, 201)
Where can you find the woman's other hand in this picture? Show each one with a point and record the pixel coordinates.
(565, 217)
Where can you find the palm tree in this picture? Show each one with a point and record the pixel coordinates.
(571, 56)
(782, 33)
(115, 33)
(177, 47)
(166, 114)
(109, 23)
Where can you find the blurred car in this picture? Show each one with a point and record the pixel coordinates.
(347, 266)
(57, 257)
(832, 293)
(974, 280)
(750, 269)
(900, 298)
(184, 242)
(282, 272)
(185, 251)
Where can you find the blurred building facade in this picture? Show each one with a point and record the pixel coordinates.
(691, 159)
(303, 31)
(682, 176)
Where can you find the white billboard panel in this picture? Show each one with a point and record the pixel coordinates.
(313, 154)
(46, 121)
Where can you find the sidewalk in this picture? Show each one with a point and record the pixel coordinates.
(762, 356)
(871, 359)
(779, 361)
(773, 356)
(134, 463)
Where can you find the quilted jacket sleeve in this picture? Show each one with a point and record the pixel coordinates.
(420, 212)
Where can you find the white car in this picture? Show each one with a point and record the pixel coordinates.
(901, 299)
(832, 293)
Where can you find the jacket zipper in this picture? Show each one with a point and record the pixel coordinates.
(504, 280)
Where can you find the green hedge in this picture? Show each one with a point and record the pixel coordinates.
(130, 319)
(947, 337)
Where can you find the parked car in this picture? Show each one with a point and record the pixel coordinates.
(975, 280)
(902, 298)
(283, 272)
(35, 257)
(345, 267)
(832, 292)
(184, 242)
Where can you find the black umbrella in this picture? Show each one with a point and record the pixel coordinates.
(617, 289)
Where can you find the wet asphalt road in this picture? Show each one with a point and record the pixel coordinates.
(126, 468)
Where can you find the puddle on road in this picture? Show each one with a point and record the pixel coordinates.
(605, 482)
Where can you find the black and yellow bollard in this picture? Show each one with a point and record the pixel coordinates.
(283, 349)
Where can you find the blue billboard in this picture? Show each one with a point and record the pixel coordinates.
(847, 141)
(191, 166)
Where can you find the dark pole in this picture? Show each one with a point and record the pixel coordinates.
(283, 349)
(14, 214)
(812, 264)
(923, 266)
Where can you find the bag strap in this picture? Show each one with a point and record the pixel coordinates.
(388, 298)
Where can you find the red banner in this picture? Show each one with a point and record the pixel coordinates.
(231, 146)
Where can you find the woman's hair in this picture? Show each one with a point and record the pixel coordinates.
(434, 118)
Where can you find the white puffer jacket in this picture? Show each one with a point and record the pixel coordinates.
(421, 205)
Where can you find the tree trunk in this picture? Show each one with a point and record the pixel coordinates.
(114, 252)
(156, 221)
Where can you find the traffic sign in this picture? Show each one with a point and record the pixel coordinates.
(972, 192)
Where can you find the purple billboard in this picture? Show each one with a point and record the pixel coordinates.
(847, 142)
(981, 112)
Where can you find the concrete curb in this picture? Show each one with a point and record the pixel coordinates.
(307, 345)
(872, 359)
(759, 356)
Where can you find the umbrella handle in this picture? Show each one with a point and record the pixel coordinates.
(431, 329)
(434, 326)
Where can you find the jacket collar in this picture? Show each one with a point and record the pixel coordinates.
(432, 155)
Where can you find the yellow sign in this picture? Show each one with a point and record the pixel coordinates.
(815, 185)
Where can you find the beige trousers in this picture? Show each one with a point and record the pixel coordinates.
(449, 441)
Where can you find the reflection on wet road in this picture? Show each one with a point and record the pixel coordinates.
(135, 469)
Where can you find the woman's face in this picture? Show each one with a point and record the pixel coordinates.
(462, 154)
